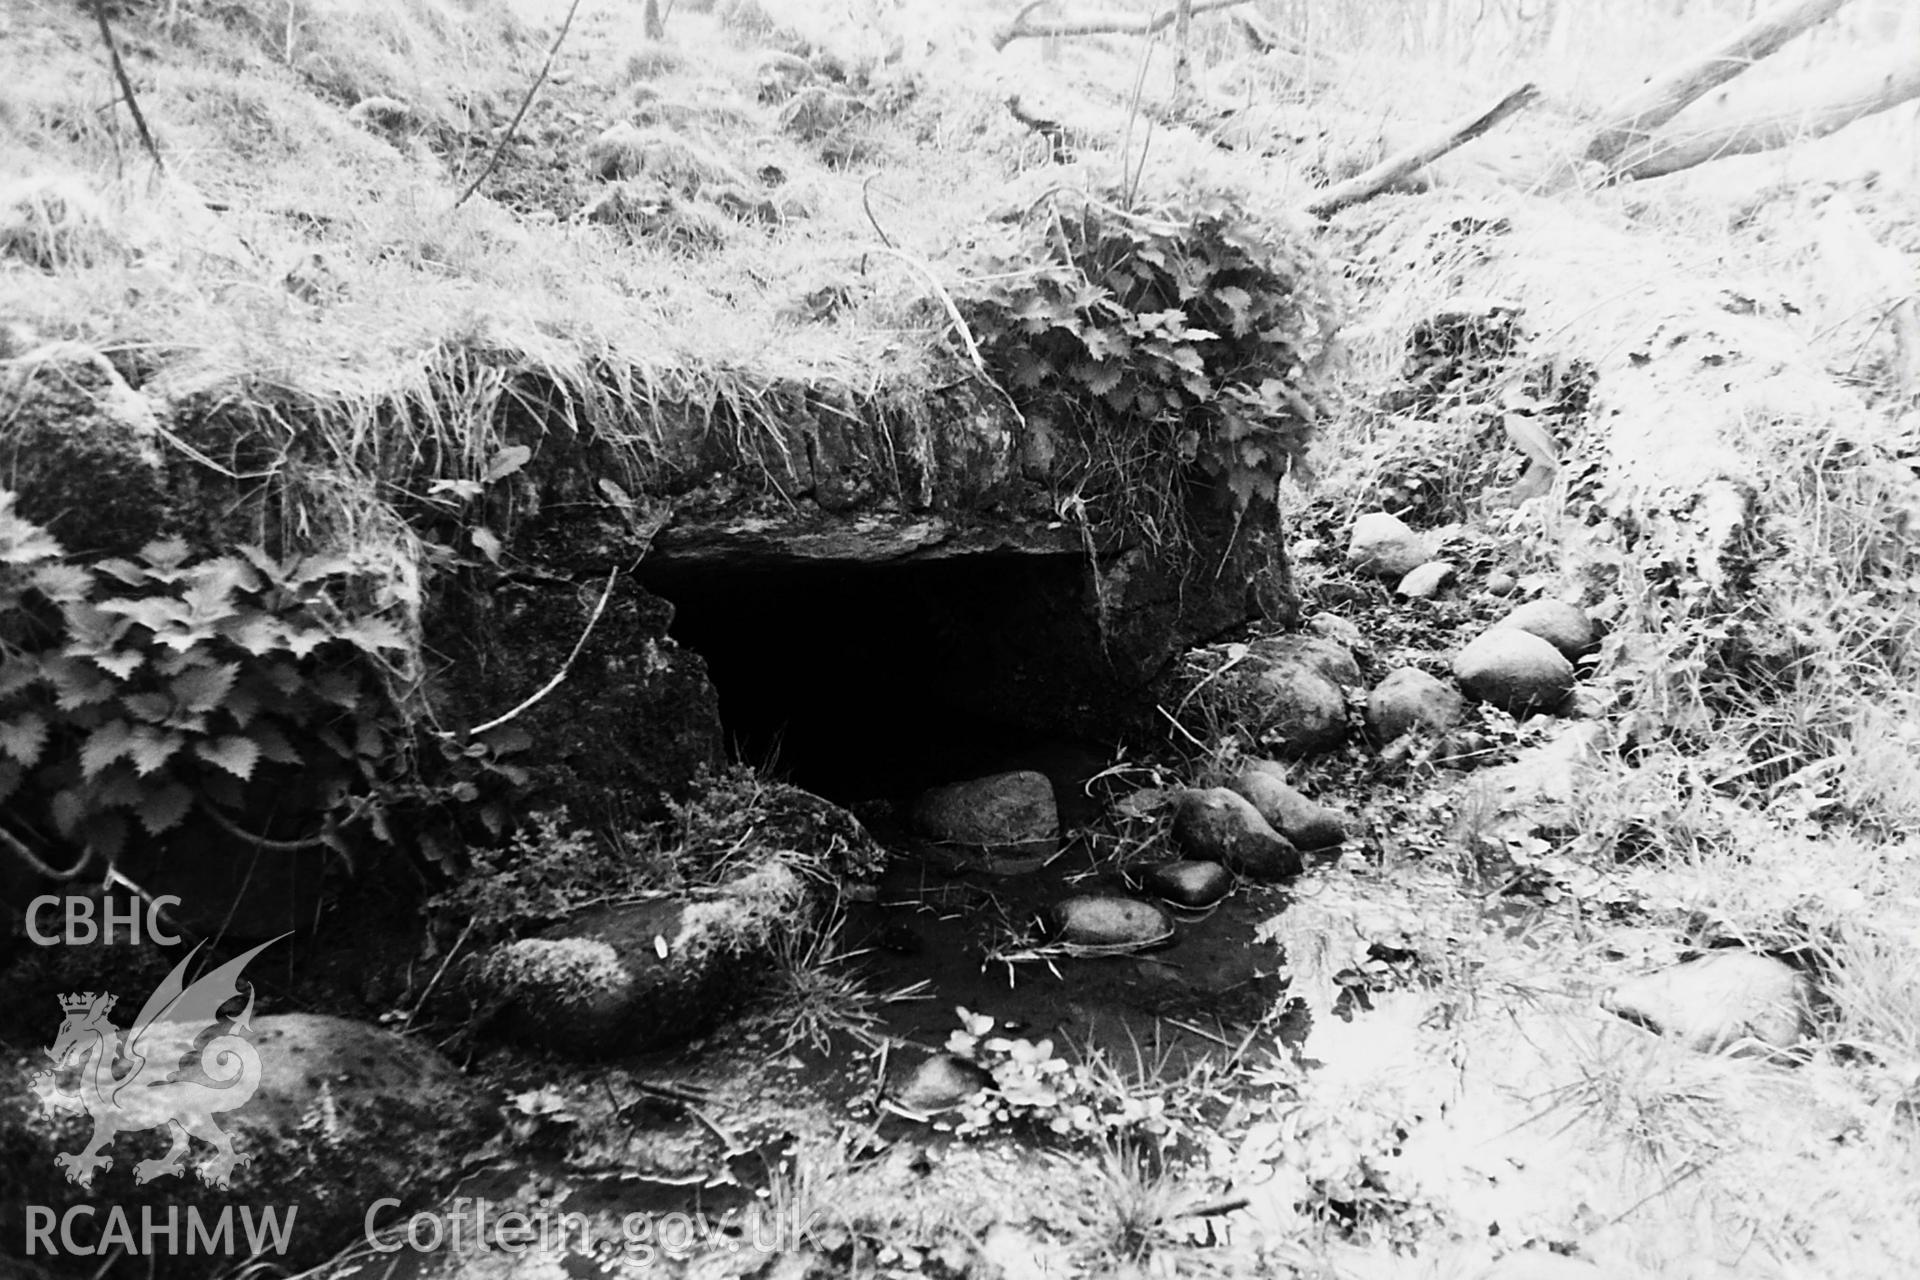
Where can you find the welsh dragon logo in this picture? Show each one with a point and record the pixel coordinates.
(148, 1083)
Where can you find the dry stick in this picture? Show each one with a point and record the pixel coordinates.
(1100, 24)
(500, 147)
(434, 981)
(126, 86)
(558, 676)
(1366, 185)
(1653, 104)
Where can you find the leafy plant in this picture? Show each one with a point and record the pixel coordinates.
(136, 692)
(1166, 342)
(1035, 1087)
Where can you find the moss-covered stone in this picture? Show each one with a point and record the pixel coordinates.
(81, 449)
(638, 976)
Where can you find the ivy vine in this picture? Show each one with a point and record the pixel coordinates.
(1166, 342)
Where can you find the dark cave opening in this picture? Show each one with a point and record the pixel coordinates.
(872, 681)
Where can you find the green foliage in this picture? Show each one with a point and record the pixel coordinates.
(134, 690)
(137, 692)
(1036, 1089)
(736, 823)
(1166, 342)
(547, 869)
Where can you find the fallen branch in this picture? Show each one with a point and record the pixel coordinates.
(1099, 24)
(1394, 168)
(1809, 107)
(1633, 118)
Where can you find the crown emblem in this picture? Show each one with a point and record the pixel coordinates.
(84, 1002)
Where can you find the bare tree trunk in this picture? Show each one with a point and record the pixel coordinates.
(1633, 118)
(656, 24)
(1810, 107)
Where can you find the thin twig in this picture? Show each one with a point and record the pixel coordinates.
(878, 230)
(13, 845)
(946, 300)
(126, 86)
(558, 676)
(500, 147)
(434, 981)
(268, 843)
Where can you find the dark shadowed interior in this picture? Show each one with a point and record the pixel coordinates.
(871, 681)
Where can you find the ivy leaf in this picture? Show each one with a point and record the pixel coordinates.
(119, 663)
(236, 754)
(270, 569)
(340, 688)
(123, 571)
(283, 676)
(1100, 377)
(68, 808)
(77, 684)
(154, 708)
(104, 745)
(273, 744)
(164, 807)
(158, 614)
(258, 633)
(374, 634)
(204, 689)
(24, 737)
(23, 543)
(152, 747)
(209, 597)
(302, 643)
(16, 673)
(318, 568)
(242, 705)
(1239, 305)
(63, 583)
(166, 559)
(614, 493)
(487, 542)
(1029, 370)
(506, 462)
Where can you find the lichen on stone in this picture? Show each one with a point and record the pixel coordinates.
(575, 970)
(744, 915)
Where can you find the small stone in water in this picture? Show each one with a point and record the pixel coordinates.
(1108, 920)
(1190, 884)
(943, 1080)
